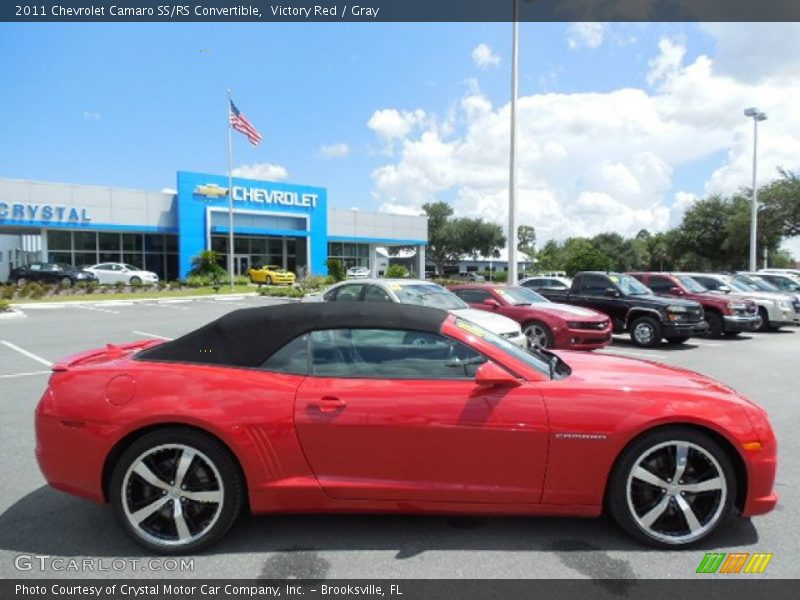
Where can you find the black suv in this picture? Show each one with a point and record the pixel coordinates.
(633, 307)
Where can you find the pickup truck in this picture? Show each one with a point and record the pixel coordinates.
(634, 308)
(730, 316)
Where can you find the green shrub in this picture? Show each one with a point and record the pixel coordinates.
(36, 290)
(207, 263)
(5, 306)
(282, 292)
(8, 291)
(241, 280)
(396, 272)
(119, 286)
(335, 269)
(313, 283)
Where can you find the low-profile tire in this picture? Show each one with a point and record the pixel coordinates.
(679, 339)
(645, 499)
(538, 334)
(715, 325)
(135, 280)
(646, 332)
(176, 490)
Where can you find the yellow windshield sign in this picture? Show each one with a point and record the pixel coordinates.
(470, 327)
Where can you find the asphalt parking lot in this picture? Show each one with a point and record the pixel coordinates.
(35, 519)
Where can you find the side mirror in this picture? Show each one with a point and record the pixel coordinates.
(676, 291)
(491, 303)
(724, 289)
(611, 292)
(492, 374)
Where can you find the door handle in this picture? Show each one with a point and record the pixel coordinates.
(327, 404)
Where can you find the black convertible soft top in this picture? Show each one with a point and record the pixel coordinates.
(247, 337)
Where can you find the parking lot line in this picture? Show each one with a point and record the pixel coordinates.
(25, 374)
(26, 353)
(152, 335)
(97, 309)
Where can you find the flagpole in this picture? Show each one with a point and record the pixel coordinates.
(230, 193)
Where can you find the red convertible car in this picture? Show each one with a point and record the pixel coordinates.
(392, 408)
(547, 324)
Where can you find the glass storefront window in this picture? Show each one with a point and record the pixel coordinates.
(132, 242)
(172, 242)
(219, 244)
(108, 257)
(59, 240)
(85, 241)
(241, 245)
(61, 257)
(154, 242)
(85, 259)
(108, 242)
(274, 246)
(137, 260)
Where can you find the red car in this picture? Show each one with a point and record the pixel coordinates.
(547, 324)
(379, 407)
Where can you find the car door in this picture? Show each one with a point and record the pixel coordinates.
(103, 273)
(661, 286)
(396, 415)
(592, 293)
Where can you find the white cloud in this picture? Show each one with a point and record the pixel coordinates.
(339, 150)
(587, 35)
(267, 171)
(591, 162)
(90, 115)
(400, 209)
(484, 57)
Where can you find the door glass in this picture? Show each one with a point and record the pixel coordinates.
(391, 354)
(373, 293)
(349, 293)
(660, 285)
(292, 358)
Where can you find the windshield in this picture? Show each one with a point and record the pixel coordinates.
(759, 284)
(739, 286)
(630, 286)
(520, 296)
(691, 285)
(533, 358)
(427, 294)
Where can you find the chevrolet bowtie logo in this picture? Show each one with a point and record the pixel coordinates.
(210, 190)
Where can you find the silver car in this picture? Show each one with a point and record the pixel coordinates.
(423, 293)
(776, 309)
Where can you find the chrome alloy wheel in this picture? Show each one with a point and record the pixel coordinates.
(536, 334)
(676, 492)
(172, 495)
(644, 333)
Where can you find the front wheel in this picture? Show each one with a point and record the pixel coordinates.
(21, 281)
(135, 280)
(765, 326)
(672, 487)
(646, 332)
(175, 491)
(66, 282)
(715, 326)
(680, 339)
(538, 335)
(269, 279)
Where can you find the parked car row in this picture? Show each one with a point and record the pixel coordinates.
(652, 306)
(68, 275)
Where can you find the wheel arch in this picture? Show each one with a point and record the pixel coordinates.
(636, 312)
(739, 468)
(125, 442)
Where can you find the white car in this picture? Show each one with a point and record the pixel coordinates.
(546, 282)
(357, 273)
(110, 273)
(423, 293)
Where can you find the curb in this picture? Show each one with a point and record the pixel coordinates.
(130, 301)
(11, 314)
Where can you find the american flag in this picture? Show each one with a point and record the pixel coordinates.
(240, 123)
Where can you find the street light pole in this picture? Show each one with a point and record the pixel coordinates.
(757, 116)
(512, 179)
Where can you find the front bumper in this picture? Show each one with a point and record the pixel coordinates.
(741, 323)
(677, 329)
(583, 339)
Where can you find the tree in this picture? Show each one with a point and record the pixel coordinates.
(551, 257)
(582, 255)
(781, 198)
(526, 241)
(450, 239)
(207, 264)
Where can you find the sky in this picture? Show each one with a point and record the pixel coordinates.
(621, 126)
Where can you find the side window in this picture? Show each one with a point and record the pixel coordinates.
(35, 267)
(292, 358)
(372, 293)
(594, 285)
(391, 354)
(708, 282)
(472, 296)
(349, 293)
(660, 285)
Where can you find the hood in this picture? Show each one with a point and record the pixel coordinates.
(667, 301)
(569, 312)
(495, 323)
(608, 370)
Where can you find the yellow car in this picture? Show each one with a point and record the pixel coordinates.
(271, 275)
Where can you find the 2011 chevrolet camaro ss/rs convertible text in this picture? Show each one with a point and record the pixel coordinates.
(359, 407)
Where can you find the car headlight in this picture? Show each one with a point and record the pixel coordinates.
(736, 306)
(85, 275)
(785, 304)
(676, 309)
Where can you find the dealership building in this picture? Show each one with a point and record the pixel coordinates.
(281, 224)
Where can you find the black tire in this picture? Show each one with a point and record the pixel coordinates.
(732, 333)
(667, 531)
(223, 473)
(680, 339)
(715, 325)
(646, 340)
(269, 280)
(765, 326)
(66, 282)
(135, 280)
(538, 334)
(21, 281)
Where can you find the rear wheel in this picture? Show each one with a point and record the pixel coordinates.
(681, 339)
(538, 334)
(269, 279)
(714, 322)
(765, 324)
(672, 487)
(646, 332)
(175, 491)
